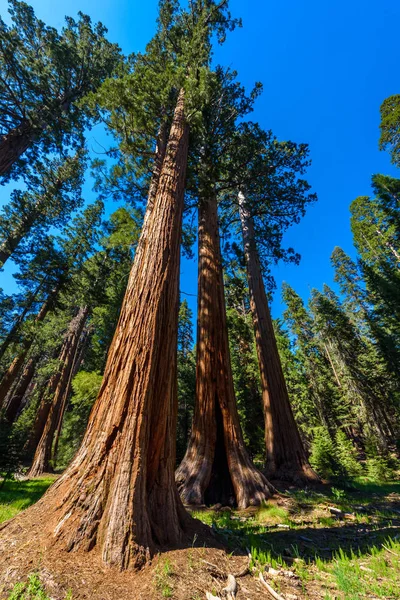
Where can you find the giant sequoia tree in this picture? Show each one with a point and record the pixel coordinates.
(119, 494)
(274, 198)
(216, 466)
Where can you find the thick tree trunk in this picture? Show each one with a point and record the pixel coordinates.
(118, 493)
(285, 455)
(9, 378)
(216, 466)
(14, 144)
(43, 454)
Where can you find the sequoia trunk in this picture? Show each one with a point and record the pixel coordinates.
(58, 387)
(118, 493)
(216, 466)
(285, 455)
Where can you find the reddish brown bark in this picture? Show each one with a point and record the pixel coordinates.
(216, 466)
(286, 458)
(119, 494)
(53, 400)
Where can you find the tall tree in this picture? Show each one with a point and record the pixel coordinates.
(216, 466)
(43, 76)
(286, 458)
(124, 471)
(74, 246)
(54, 192)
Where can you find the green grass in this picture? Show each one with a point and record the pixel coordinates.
(15, 496)
(164, 578)
(32, 589)
(352, 559)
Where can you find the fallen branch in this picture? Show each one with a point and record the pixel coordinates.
(271, 590)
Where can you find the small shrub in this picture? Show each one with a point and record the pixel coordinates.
(33, 589)
(323, 454)
(347, 455)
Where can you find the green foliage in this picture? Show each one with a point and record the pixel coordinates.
(85, 386)
(347, 455)
(44, 76)
(323, 455)
(390, 127)
(33, 589)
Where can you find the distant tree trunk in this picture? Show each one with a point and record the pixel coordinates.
(13, 402)
(216, 467)
(11, 335)
(56, 393)
(14, 144)
(9, 378)
(285, 454)
(118, 493)
(79, 354)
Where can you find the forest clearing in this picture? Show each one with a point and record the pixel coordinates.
(145, 452)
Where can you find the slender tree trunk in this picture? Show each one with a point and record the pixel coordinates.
(216, 466)
(80, 350)
(43, 454)
(14, 144)
(118, 493)
(9, 378)
(14, 400)
(285, 454)
(10, 337)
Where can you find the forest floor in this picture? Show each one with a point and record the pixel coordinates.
(327, 543)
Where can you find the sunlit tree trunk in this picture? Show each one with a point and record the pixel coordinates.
(118, 493)
(216, 467)
(285, 455)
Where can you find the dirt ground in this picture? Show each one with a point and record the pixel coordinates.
(289, 541)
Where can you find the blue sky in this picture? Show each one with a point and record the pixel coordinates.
(326, 68)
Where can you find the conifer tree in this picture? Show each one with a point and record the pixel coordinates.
(43, 76)
(124, 471)
(53, 193)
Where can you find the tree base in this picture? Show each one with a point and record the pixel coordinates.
(299, 475)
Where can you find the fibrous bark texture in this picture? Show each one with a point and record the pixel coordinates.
(59, 386)
(118, 494)
(286, 458)
(216, 466)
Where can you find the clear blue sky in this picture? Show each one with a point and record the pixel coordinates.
(326, 67)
